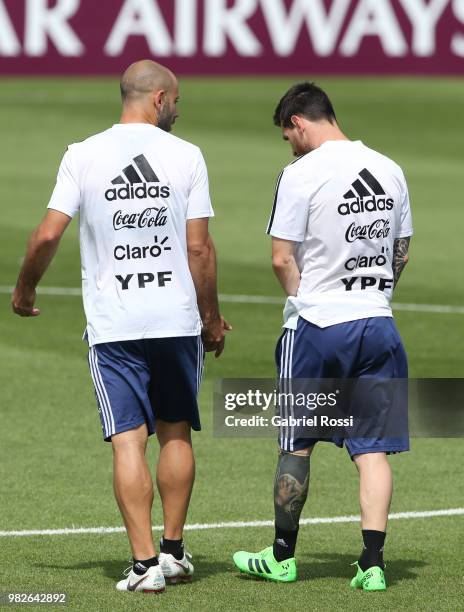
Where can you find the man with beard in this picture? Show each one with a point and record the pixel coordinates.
(150, 297)
(341, 227)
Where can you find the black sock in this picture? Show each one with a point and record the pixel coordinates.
(284, 544)
(372, 554)
(140, 567)
(172, 547)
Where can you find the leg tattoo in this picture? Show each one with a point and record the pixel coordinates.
(290, 490)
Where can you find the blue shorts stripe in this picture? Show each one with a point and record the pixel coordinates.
(290, 376)
(285, 371)
(284, 384)
(281, 433)
(100, 399)
(199, 346)
(108, 403)
(101, 393)
(198, 362)
(202, 361)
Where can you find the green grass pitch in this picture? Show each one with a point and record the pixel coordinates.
(55, 471)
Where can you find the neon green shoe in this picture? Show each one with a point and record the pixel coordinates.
(373, 579)
(264, 565)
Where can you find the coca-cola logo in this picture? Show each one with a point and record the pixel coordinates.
(150, 217)
(377, 229)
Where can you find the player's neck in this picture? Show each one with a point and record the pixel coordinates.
(139, 115)
(327, 134)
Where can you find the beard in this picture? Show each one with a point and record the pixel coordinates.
(166, 119)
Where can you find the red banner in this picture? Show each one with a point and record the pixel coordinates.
(62, 37)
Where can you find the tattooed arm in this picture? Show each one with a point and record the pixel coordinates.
(400, 257)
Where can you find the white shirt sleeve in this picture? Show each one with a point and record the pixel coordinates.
(199, 200)
(66, 196)
(405, 223)
(289, 217)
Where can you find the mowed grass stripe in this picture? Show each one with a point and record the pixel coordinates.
(233, 524)
(257, 299)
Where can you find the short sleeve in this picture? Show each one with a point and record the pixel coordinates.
(405, 228)
(66, 196)
(199, 200)
(289, 216)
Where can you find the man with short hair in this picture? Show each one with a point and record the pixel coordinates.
(340, 227)
(150, 297)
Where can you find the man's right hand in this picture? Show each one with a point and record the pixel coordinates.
(214, 335)
(23, 301)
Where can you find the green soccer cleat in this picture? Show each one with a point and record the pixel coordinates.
(373, 579)
(264, 565)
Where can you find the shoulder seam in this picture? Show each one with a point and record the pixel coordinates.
(271, 220)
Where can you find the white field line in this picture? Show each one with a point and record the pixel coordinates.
(258, 299)
(263, 299)
(230, 525)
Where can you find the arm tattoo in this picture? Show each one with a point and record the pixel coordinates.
(400, 257)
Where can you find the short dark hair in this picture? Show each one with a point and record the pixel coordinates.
(307, 100)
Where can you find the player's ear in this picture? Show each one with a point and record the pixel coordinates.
(159, 98)
(296, 122)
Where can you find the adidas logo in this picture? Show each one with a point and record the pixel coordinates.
(367, 194)
(135, 182)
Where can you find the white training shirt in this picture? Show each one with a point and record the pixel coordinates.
(344, 205)
(135, 186)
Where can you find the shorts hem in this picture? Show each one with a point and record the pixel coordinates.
(129, 427)
(367, 451)
(342, 443)
(195, 425)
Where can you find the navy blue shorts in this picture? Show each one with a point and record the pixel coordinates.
(367, 348)
(140, 381)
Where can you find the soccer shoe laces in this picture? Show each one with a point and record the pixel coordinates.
(357, 564)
